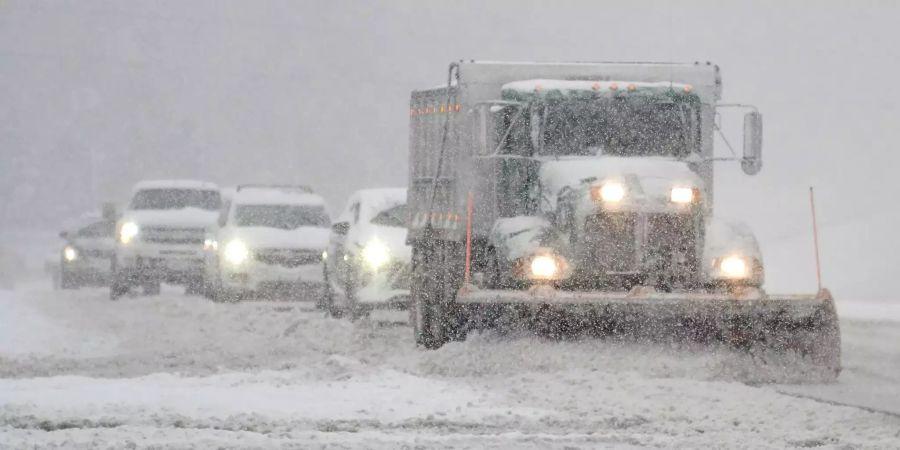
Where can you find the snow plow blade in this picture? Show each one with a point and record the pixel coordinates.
(805, 325)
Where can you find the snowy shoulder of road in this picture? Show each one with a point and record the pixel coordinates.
(79, 371)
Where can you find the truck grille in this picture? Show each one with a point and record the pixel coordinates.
(167, 235)
(288, 257)
(631, 242)
(611, 238)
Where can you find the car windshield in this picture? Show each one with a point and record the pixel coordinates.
(176, 199)
(392, 217)
(285, 217)
(98, 230)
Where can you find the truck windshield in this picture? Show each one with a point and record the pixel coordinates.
(285, 217)
(176, 199)
(637, 126)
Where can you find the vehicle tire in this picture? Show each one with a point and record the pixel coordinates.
(437, 276)
(66, 280)
(118, 286)
(194, 287)
(327, 300)
(151, 286)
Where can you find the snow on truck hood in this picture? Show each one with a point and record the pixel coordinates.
(307, 238)
(656, 175)
(184, 218)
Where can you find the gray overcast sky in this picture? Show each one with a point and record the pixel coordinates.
(316, 92)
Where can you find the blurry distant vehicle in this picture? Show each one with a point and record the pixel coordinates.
(86, 255)
(367, 263)
(270, 242)
(161, 234)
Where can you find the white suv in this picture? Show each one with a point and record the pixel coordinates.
(160, 236)
(270, 241)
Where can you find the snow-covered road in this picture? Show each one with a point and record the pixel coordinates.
(79, 371)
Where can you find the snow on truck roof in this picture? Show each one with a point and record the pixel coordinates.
(545, 87)
(260, 195)
(176, 184)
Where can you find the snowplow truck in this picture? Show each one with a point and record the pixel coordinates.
(579, 196)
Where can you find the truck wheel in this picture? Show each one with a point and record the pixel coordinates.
(435, 316)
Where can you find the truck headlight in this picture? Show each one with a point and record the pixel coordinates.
(70, 254)
(376, 254)
(609, 192)
(734, 267)
(682, 195)
(236, 252)
(128, 232)
(544, 267)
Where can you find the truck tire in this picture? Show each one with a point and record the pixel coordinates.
(437, 277)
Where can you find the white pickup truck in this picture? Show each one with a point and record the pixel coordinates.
(160, 236)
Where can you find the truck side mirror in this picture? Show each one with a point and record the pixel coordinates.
(751, 163)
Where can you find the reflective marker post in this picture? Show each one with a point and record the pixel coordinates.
(812, 204)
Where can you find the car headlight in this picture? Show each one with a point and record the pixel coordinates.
(609, 192)
(210, 244)
(70, 254)
(734, 267)
(127, 232)
(682, 195)
(236, 252)
(376, 254)
(544, 267)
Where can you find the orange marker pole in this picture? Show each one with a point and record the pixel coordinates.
(469, 204)
(812, 204)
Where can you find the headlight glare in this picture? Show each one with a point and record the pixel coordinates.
(70, 254)
(734, 267)
(609, 192)
(128, 232)
(376, 254)
(544, 267)
(682, 195)
(236, 252)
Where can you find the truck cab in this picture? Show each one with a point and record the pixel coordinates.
(161, 234)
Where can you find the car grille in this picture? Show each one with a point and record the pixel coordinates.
(167, 235)
(288, 257)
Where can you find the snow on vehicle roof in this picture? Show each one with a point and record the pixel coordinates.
(544, 87)
(276, 196)
(393, 195)
(176, 184)
(375, 200)
(81, 221)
